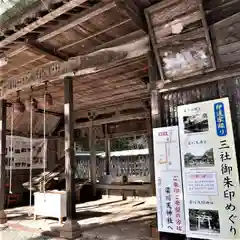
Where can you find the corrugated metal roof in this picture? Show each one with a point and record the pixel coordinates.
(21, 122)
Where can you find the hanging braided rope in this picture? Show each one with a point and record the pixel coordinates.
(44, 142)
(11, 152)
(31, 155)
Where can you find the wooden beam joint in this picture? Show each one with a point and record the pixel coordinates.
(48, 51)
(134, 13)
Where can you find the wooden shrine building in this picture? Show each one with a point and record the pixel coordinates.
(112, 68)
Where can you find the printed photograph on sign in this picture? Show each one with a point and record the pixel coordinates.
(204, 220)
(199, 157)
(196, 123)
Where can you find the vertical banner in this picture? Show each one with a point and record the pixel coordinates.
(210, 171)
(21, 153)
(170, 209)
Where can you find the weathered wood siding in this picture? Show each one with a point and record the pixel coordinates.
(180, 38)
(226, 40)
(226, 88)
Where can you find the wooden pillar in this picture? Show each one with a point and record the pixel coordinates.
(154, 120)
(3, 119)
(151, 155)
(156, 116)
(71, 228)
(93, 162)
(107, 151)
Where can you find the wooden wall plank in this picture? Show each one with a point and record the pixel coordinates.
(180, 39)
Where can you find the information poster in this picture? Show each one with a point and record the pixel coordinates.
(210, 172)
(20, 156)
(168, 178)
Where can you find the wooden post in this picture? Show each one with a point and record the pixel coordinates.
(151, 154)
(93, 163)
(71, 228)
(3, 119)
(156, 121)
(107, 151)
(155, 116)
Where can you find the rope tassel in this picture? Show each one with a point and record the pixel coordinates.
(11, 152)
(31, 157)
(44, 142)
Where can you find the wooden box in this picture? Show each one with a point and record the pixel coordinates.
(50, 204)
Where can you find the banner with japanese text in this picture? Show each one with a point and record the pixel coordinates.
(170, 209)
(19, 158)
(210, 171)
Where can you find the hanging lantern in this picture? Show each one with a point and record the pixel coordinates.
(48, 99)
(18, 106)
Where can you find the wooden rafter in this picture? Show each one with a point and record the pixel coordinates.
(134, 12)
(42, 111)
(121, 118)
(48, 52)
(110, 109)
(95, 34)
(70, 23)
(118, 41)
(127, 38)
(77, 66)
(225, 73)
(76, 20)
(32, 10)
(47, 18)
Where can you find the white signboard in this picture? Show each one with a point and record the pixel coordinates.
(210, 172)
(168, 180)
(21, 153)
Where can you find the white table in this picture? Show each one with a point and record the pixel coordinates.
(50, 204)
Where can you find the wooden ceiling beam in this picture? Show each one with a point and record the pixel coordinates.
(119, 94)
(80, 65)
(118, 41)
(42, 111)
(78, 19)
(3, 74)
(218, 75)
(82, 113)
(121, 40)
(42, 49)
(134, 12)
(89, 106)
(119, 118)
(32, 10)
(95, 34)
(67, 24)
(41, 21)
(113, 86)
